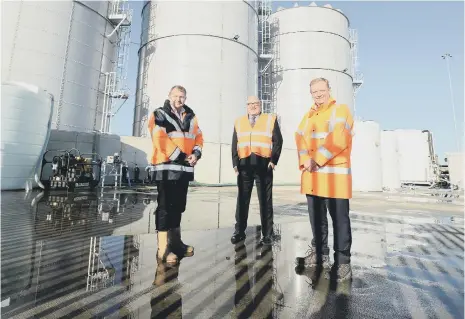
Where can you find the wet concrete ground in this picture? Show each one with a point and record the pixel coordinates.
(94, 256)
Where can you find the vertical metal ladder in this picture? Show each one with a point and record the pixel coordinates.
(265, 56)
(149, 48)
(357, 77)
(120, 16)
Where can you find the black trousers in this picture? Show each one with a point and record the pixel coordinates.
(263, 178)
(339, 210)
(171, 199)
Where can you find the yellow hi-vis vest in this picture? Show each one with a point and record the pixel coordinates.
(257, 139)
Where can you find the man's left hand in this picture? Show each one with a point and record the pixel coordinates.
(271, 165)
(313, 166)
(192, 159)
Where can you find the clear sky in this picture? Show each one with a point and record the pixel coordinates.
(400, 46)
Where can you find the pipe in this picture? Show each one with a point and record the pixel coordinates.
(136, 125)
(42, 152)
(117, 26)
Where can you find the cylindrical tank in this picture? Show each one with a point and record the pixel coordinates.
(308, 42)
(366, 157)
(456, 162)
(210, 48)
(61, 46)
(25, 130)
(390, 160)
(415, 158)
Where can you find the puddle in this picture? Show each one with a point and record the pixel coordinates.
(448, 220)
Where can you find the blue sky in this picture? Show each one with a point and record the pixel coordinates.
(400, 46)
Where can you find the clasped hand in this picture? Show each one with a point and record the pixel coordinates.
(192, 159)
(310, 165)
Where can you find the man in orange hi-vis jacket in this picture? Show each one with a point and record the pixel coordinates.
(177, 146)
(324, 144)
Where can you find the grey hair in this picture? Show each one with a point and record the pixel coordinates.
(179, 88)
(320, 80)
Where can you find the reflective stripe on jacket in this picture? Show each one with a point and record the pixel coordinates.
(173, 141)
(257, 140)
(325, 135)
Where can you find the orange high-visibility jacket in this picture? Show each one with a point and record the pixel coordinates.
(257, 140)
(325, 135)
(173, 141)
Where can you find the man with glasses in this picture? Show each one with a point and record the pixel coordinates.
(256, 148)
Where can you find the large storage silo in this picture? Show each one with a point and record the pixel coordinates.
(308, 42)
(62, 47)
(210, 48)
(390, 160)
(366, 157)
(416, 156)
(455, 162)
(25, 130)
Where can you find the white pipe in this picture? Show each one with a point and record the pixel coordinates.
(44, 147)
(104, 103)
(446, 57)
(116, 28)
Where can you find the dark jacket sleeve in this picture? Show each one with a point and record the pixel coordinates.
(234, 153)
(160, 120)
(277, 143)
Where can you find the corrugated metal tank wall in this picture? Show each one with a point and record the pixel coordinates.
(366, 157)
(191, 44)
(60, 46)
(308, 42)
(414, 156)
(390, 160)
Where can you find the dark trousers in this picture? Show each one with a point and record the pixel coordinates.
(339, 210)
(263, 178)
(171, 199)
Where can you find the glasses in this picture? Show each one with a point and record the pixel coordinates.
(253, 103)
(318, 92)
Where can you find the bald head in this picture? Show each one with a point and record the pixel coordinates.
(253, 105)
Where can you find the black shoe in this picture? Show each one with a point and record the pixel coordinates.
(266, 240)
(237, 237)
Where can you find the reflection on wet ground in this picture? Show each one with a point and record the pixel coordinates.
(61, 258)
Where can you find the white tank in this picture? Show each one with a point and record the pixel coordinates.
(308, 42)
(390, 160)
(415, 158)
(61, 46)
(26, 120)
(210, 48)
(456, 163)
(366, 157)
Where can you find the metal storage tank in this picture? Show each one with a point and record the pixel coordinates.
(25, 131)
(308, 42)
(456, 163)
(366, 157)
(415, 158)
(61, 46)
(211, 50)
(390, 160)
